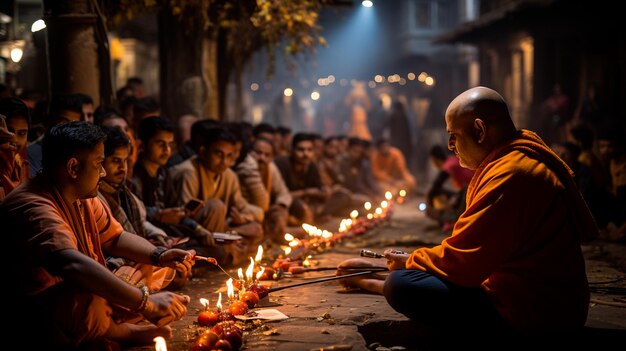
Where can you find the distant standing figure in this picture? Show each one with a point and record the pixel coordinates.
(359, 103)
(556, 112)
(399, 128)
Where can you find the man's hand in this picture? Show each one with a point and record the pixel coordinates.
(165, 307)
(172, 215)
(396, 259)
(160, 240)
(205, 236)
(236, 218)
(181, 260)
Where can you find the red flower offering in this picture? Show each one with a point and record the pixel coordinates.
(226, 316)
(205, 342)
(238, 308)
(250, 298)
(208, 318)
(260, 290)
(229, 331)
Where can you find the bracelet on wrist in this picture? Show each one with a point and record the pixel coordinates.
(155, 256)
(144, 299)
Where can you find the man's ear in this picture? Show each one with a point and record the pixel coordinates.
(139, 144)
(480, 130)
(72, 167)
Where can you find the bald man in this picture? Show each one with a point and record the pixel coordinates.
(513, 262)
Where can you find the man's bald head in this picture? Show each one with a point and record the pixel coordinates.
(478, 120)
(483, 103)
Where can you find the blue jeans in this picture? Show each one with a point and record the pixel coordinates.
(440, 305)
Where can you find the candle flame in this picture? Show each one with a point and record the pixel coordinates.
(384, 204)
(159, 344)
(231, 288)
(354, 214)
(326, 234)
(306, 262)
(379, 211)
(259, 254)
(307, 228)
(402, 193)
(219, 303)
(370, 216)
(204, 302)
(259, 274)
(342, 226)
(388, 195)
(367, 206)
(287, 250)
(294, 243)
(250, 270)
(240, 273)
(288, 237)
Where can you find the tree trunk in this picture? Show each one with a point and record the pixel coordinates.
(72, 47)
(210, 76)
(181, 54)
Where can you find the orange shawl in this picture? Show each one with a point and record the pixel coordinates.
(519, 237)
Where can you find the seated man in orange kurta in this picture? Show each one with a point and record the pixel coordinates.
(513, 263)
(58, 233)
(389, 168)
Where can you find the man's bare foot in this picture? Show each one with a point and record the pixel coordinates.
(356, 262)
(370, 282)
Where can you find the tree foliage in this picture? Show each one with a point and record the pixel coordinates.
(248, 25)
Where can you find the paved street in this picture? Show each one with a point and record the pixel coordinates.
(325, 315)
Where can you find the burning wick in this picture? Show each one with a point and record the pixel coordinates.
(159, 344)
(211, 260)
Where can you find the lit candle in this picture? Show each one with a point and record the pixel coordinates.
(259, 274)
(354, 214)
(249, 272)
(388, 195)
(205, 303)
(259, 254)
(207, 317)
(159, 344)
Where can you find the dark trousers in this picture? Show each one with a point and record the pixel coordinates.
(439, 307)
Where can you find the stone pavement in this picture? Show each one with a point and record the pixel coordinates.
(326, 316)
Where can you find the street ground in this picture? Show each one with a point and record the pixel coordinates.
(326, 316)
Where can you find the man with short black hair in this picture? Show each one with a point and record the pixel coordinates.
(59, 233)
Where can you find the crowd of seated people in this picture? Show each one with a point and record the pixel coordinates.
(167, 185)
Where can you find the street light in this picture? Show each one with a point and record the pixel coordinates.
(16, 54)
(367, 3)
(38, 25)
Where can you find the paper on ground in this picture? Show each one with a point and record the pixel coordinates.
(267, 314)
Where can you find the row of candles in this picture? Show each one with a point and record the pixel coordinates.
(245, 292)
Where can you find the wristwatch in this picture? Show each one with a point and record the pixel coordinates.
(155, 256)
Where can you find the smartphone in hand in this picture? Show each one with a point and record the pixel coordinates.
(192, 206)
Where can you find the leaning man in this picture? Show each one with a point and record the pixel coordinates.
(57, 233)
